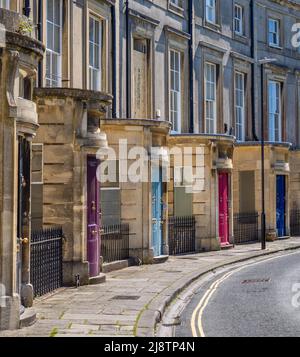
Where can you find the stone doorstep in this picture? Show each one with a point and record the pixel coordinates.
(161, 259)
(28, 318)
(100, 279)
(227, 246)
(117, 265)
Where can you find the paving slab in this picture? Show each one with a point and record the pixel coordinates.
(96, 311)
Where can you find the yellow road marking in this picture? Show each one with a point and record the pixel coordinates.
(209, 293)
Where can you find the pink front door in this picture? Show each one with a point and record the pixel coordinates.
(223, 208)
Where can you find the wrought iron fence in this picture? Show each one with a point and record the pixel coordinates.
(182, 235)
(46, 249)
(246, 229)
(115, 243)
(295, 222)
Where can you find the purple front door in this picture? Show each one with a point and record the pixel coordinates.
(93, 216)
(223, 208)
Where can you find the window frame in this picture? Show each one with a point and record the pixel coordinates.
(98, 19)
(214, 101)
(242, 107)
(272, 33)
(277, 112)
(178, 127)
(207, 6)
(240, 20)
(52, 52)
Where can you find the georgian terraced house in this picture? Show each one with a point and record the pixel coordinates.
(79, 76)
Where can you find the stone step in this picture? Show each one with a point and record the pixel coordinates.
(28, 318)
(100, 279)
(161, 259)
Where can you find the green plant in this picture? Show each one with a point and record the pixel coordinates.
(54, 332)
(25, 27)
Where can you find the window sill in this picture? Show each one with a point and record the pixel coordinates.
(275, 47)
(177, 10)
(241, 38)
(212, 26)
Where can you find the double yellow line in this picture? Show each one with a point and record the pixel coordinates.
(196, 323)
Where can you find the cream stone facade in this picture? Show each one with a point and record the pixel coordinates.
(69, 131)
(136, 197)
(158, 75)
(247, 188)
(19, 58)
(215, 156)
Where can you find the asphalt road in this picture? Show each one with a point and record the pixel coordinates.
(260, 300)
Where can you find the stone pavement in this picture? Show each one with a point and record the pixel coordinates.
(133, 299)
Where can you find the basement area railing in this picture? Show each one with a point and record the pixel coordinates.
(182, 235)
(46, 260)
(115, 243)
(246, 228)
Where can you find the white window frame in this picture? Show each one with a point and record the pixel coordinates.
(275, 111)
(177, 3)
(54, 79)
(210, 98)
(95, 73)
(239, 102)
(175, 94)
(238, 20)
(5, 4)
(274, 34)
(211, 9)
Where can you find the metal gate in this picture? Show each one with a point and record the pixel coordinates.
(46, 260)
(182, 235)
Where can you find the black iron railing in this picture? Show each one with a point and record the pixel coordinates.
(246, 228)
(295, 222)
(115, 243)
(182, 235)
(46, 249)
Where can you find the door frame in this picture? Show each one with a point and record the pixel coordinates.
(286, 207)
(161, 238)
(229, 191)
(97, 223)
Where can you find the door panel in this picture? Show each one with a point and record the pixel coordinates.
(157, 217)
(93, 217)
(223, 209)
(24, 188)
(280, 205)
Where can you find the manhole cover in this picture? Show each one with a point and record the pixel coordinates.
(190, 258)
(256, 281)
(125, 297)
(171, 271)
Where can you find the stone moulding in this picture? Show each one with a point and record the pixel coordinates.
(25, 43)
(79, 94)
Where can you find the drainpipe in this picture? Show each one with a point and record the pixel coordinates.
(253, 67)
(26, 8)
(127, 61)
(40, 38)
(191, 64)
(114, 61)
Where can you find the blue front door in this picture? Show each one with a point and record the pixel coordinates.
(280, 206)
(157, 205)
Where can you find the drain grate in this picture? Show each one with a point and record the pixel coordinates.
(125, 297)
(256, 281)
